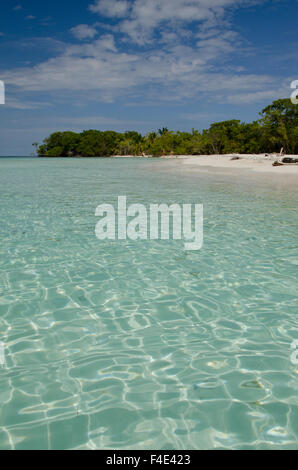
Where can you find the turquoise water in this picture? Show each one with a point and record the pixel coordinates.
(142, 345)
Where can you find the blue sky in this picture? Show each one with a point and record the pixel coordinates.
(140, 64)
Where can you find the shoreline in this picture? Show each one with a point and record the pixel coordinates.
(249, 162)
(261, 163)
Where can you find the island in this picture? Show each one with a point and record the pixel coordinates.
(276, 132)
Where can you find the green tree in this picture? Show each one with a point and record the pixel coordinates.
(280, 126)
(60, 144)
(91, 144)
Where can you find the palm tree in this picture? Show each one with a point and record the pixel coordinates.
(35, 145)
(163, 131)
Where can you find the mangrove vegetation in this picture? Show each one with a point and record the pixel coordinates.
(277, 128)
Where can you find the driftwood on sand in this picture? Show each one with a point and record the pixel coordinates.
(286, 161)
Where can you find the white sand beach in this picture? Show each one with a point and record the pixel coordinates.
(257, 163)
(261, 163)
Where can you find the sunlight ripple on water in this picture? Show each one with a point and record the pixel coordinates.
(141, 344)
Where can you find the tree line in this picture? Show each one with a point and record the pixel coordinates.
(277, 128)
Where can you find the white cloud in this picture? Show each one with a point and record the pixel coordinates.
(176, 73)
(268, 94)
(110, 8)
(97, 48)
(84, 31)
(142, 17)
(15, 103)
(181, 63)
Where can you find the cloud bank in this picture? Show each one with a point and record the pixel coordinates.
(154, 49)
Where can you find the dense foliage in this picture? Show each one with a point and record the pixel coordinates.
(277, 128)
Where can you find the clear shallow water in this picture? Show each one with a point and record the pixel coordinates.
(141, 344)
